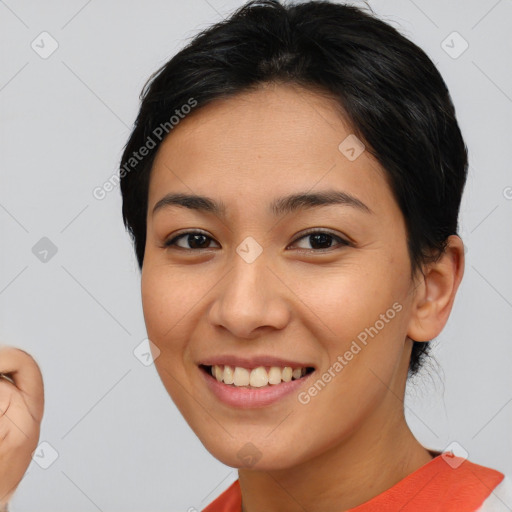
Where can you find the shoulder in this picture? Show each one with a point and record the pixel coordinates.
(500, 498)
(229, 501)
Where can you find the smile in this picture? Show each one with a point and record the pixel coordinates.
(262, 386)
(258, 377)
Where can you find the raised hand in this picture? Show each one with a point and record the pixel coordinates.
(21, 412)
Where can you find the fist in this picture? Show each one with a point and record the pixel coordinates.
(21, 412)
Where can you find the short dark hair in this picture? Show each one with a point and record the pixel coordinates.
(387, 88)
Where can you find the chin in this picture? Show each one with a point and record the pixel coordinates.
(249, 455)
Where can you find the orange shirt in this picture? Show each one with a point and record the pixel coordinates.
(445, 484)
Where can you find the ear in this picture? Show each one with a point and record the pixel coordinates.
(435, 292)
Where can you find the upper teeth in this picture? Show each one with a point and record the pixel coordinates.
(257, 377)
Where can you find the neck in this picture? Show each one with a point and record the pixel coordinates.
(340, 479)
(365, 463)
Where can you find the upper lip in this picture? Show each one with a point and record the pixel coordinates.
(252, 362)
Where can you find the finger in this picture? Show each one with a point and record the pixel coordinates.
(24, 372)
(6, 377)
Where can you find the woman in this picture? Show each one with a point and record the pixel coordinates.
(292, 186)
(297, 236)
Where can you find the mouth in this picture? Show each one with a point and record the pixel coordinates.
(257, 377)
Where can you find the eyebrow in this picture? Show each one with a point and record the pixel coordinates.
(280, 206)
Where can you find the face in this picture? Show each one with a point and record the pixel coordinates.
(246, 278)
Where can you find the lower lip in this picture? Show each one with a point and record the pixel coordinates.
(246, 398)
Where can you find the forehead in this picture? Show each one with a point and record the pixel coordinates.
(273, 140)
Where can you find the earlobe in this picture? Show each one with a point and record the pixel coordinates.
(436, 293)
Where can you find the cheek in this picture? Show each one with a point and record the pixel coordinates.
(155, 306)
(360, 318)
(168, 296)
(164, 314)
(348, 300)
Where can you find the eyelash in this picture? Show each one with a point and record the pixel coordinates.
(341, 242)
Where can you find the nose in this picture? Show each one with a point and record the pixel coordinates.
(250, 299)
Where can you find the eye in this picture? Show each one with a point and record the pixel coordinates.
(194, 239)
(320, 240)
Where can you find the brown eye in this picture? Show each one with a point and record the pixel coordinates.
(321, 240)
(193, 240)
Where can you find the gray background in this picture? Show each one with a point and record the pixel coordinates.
(121, 443)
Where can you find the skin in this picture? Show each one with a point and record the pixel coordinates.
(351, 441)
(21, 412)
